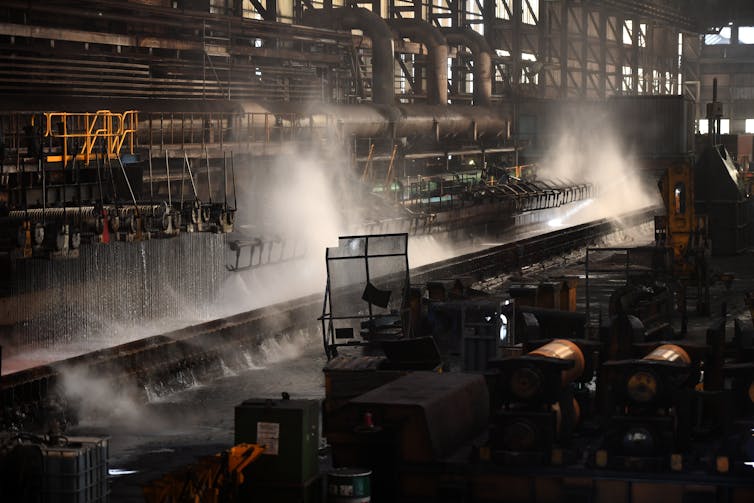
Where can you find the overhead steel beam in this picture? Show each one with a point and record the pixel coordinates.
(669, 12)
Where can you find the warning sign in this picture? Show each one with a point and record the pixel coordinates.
(268, 435)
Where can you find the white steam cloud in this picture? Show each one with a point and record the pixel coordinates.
(102, 401)
(587, 148)
(302, 197)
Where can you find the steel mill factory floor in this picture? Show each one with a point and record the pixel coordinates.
(167, 431)
(153, 438)
(308, 274)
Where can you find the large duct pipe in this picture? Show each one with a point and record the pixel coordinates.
(433, 121)
(347, 18)
(482, 54)
(437, 52)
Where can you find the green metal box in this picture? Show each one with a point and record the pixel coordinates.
(290, 431)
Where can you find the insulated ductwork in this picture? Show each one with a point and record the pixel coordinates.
(437, 55)
(482, 54)
(373, 26)
(430, 121)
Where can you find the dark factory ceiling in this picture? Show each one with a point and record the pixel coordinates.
(712, 14)
(702, 16)
(694, 15)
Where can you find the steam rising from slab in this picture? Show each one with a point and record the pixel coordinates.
(585, 146)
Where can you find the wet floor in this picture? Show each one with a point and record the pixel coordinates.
(170, 432)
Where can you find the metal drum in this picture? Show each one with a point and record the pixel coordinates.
(349, 485)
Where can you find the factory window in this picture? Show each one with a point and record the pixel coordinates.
(628, 80)
(724, 126)
(402, 4)
(401, 77)
(721, 38)
(746, 34)
(656, 86)
(503, 9)
(642, 88)
(528, 76)
(642, 34)
(249, 11)
(502, 53)
(474, 16)
(668, 83)
(501, 72)
(750, 125)
(628, 32)
(531, 11)
(442, 12)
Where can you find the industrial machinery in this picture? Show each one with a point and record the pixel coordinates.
(686, 233)
(168, 157)
(647, 404)
(77, 179)
(405, 424)
(53, 467)
(212, 479)
(534, 401)
(367, 292)
(649, 423)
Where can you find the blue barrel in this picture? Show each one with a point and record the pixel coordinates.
(349, 485)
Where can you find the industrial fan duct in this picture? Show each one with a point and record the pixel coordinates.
(383, 117)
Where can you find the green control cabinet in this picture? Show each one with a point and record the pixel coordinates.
(289, 429)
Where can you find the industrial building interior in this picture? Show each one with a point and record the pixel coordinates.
(390, 251)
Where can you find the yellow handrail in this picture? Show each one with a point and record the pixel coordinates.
(114, 128)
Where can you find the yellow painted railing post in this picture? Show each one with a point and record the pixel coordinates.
(114, 128)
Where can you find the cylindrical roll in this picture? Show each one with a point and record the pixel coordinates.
(669, 353)
(642, 386)
(564, 350)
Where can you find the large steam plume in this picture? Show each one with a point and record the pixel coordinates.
(585, 146)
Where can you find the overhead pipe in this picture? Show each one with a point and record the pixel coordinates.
(383, 51)
(482, 54)
(437, 52)
(367, 120)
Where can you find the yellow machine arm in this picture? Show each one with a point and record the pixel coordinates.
(212, 479)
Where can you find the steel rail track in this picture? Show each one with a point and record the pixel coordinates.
(199, 348)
